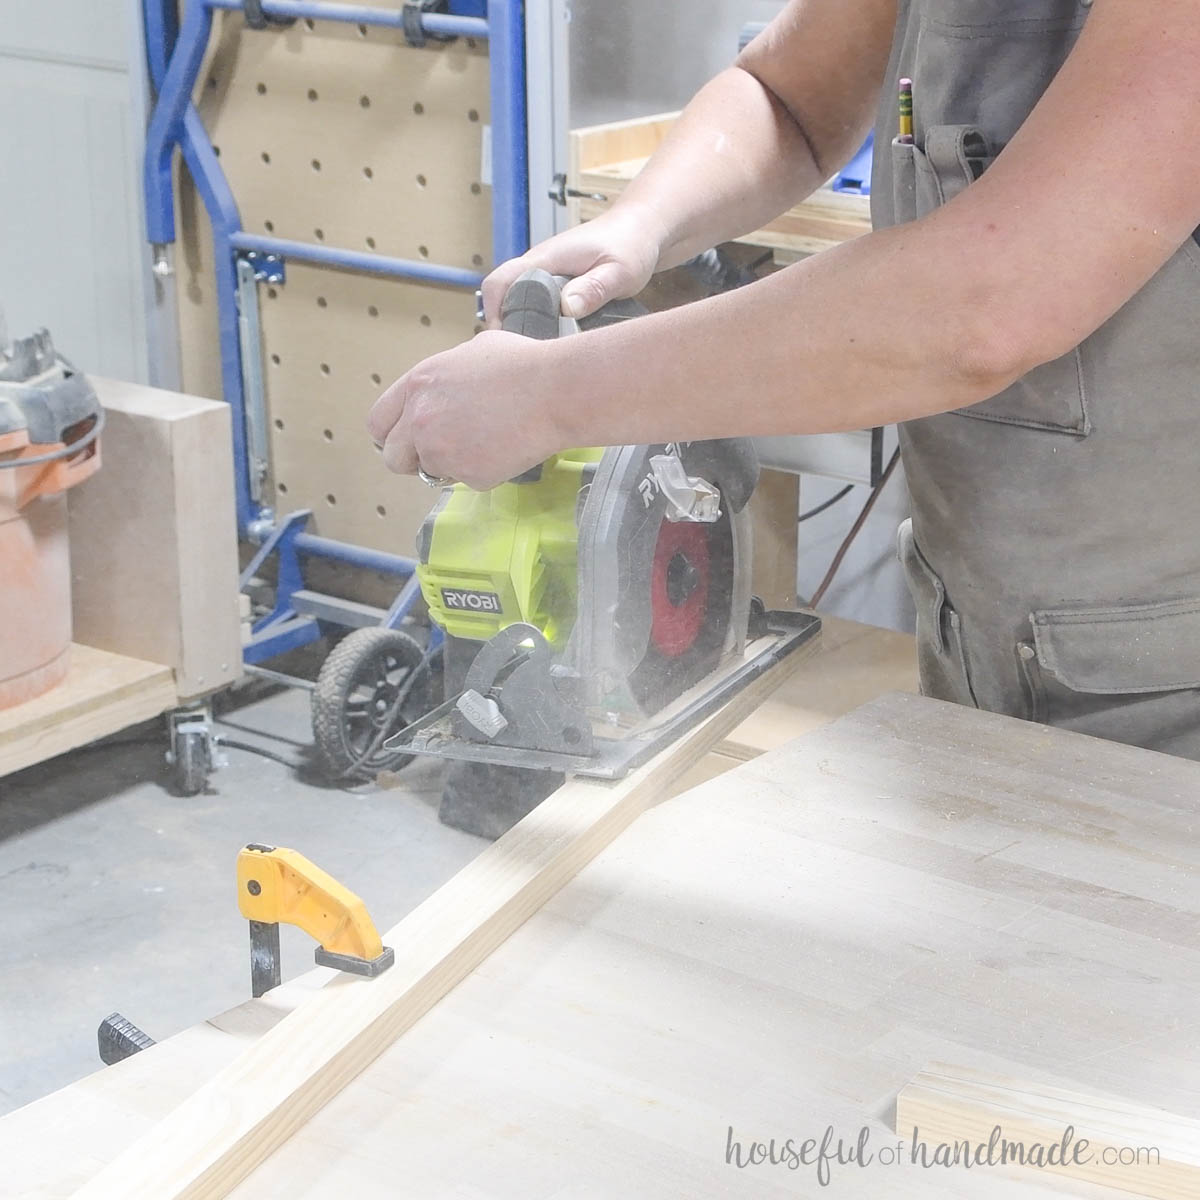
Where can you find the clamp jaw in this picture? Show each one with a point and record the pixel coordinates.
(275, 886)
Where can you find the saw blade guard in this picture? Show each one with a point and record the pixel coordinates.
(661, 601)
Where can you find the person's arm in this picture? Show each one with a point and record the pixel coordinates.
(1090, 199)
(759, 138)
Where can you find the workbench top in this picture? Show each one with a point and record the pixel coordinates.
(775, 952)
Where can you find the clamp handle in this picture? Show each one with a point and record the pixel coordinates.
(277, 885)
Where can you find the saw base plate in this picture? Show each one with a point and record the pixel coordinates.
(619, 751)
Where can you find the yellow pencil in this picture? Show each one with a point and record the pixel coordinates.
(906, 111)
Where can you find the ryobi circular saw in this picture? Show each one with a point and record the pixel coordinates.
(603, 597)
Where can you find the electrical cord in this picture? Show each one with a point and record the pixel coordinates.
(422, 671)
(820, 508)
(11, 464)
(262, 751)
(819, 594)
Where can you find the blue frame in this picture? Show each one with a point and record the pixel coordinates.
(175, 51)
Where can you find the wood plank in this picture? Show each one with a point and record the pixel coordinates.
(780, 951)
(102, 694)
(1130, 1147)
(229, 1126)
(598, 146)
(773, 511)
(154, 537)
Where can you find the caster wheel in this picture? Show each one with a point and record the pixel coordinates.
(193, 763)
(373, 684)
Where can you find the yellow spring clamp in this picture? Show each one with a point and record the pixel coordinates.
(278, 885)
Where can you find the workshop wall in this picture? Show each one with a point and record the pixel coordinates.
(633, 57)
(72, 254)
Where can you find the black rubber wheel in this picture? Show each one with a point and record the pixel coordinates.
(374, 683)
(193, 763)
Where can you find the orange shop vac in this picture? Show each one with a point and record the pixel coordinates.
(50, 423)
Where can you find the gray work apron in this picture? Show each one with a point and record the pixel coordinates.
(1054, 550)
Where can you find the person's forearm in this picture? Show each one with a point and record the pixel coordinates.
(734, 161)
(881, 329)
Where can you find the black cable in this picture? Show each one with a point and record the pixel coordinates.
(250, 748)
(819, 594)
(385, 726)
(816, 512)
(70, 451)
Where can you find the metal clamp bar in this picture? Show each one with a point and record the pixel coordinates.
(253, 392)
(510, 137)
(355, 260)
(358, 14)
(355, 556)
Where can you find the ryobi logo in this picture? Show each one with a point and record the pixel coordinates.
(461, 600)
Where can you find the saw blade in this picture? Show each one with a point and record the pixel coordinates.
(691, 610)
(659, 602)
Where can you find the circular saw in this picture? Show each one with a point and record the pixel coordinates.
(606, 592)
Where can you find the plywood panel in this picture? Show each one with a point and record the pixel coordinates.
(102, 694)
(333, 341)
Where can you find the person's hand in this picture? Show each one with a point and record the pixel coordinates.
(481, 413)
(610, 258)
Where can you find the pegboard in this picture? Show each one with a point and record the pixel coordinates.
(343, 136)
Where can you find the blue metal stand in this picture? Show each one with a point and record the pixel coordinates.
(175, 52)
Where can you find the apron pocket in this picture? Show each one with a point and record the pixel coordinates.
(1051, 397)
(904, 182)
(1129, 672)
(940, 655)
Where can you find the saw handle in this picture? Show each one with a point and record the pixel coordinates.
(532, 307)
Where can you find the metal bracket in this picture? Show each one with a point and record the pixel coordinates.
(414, 31)
(268, 268)
(193, 720)
(257, 19)
(559, 192)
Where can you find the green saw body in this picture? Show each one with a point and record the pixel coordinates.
(498, 558)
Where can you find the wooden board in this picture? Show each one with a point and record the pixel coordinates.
(217, 1137)
(605, 158)
(779, 951)
(1099, 1139)
(102, 694)
(319, 131)
(773, 511)
(853, 663)
(154, 538)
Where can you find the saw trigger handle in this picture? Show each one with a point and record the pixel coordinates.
(532, 306)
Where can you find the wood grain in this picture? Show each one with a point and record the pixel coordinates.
(217, 1137)
(1130, 1147)
(102, 694)
(778, 951)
